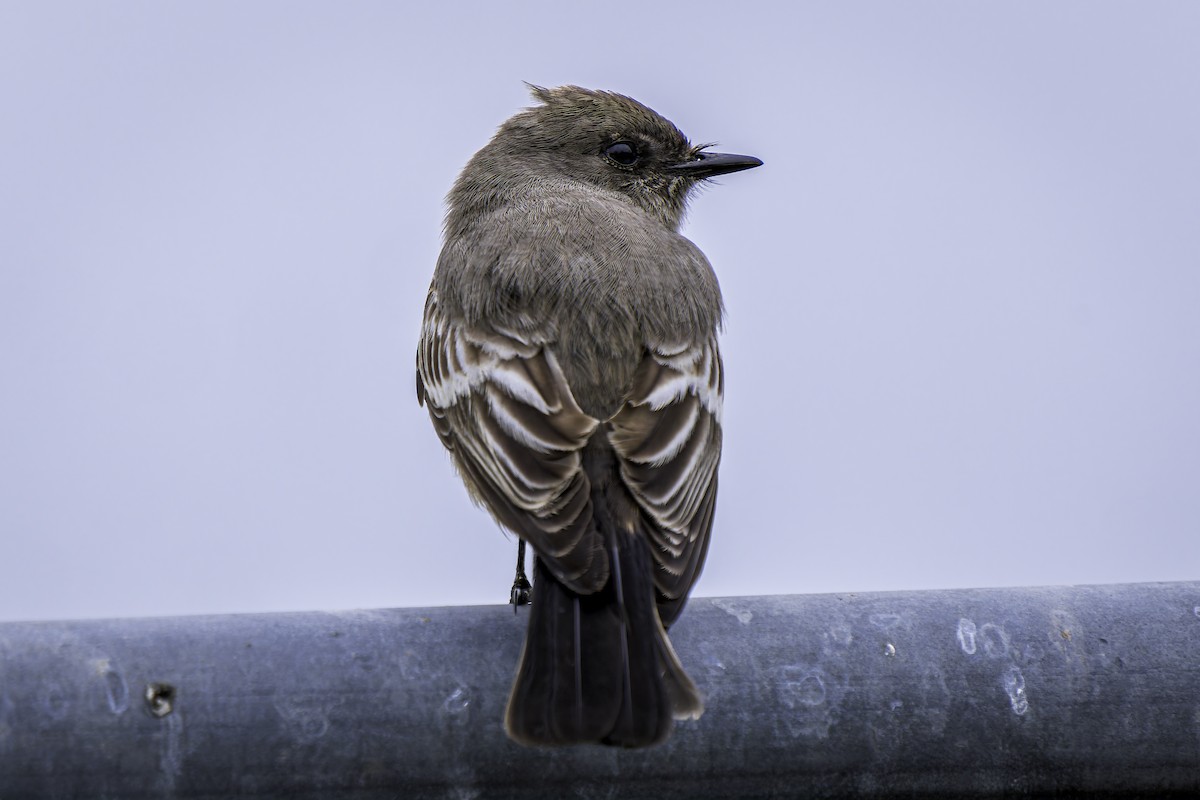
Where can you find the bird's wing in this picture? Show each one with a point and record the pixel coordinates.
(503, 409)
(668, 439)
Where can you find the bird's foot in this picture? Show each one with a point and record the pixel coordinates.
(521, 593)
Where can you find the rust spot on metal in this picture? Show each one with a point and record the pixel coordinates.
(160, 699)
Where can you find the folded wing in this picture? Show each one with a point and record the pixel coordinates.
(668, 439)
(500, 404)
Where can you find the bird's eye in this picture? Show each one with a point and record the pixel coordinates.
(622, 153)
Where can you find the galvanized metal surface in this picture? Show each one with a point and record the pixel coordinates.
(1070, 692)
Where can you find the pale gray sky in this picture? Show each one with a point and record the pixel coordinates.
(963, 340)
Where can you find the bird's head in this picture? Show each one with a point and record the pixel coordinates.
(613, 142)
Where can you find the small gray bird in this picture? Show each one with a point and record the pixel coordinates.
(569, 362)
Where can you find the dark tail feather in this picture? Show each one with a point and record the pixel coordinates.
(599, 667)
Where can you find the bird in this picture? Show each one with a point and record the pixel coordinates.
(569, 362)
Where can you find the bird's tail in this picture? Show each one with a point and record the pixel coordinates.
(599, 667)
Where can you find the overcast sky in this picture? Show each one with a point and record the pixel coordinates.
(963, 338)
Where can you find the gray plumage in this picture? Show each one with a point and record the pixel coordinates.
(569, 362)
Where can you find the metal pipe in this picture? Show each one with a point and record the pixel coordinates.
(1083, 691)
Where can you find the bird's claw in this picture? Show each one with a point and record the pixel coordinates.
(521, 593)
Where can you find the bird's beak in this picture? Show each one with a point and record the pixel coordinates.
(706, 165)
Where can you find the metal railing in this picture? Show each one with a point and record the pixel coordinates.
(1084, 691)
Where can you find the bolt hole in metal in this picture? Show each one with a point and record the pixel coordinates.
(160, 699)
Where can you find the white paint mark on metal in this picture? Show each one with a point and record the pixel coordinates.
(116, 690)
(306, 721)
(742, 615)
(170, 754)
(994, 639)
(839, 635)
(966, 636)
(1014, 685)
(808, 691)
(458, 701)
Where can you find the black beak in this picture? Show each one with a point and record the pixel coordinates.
(706, 165)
